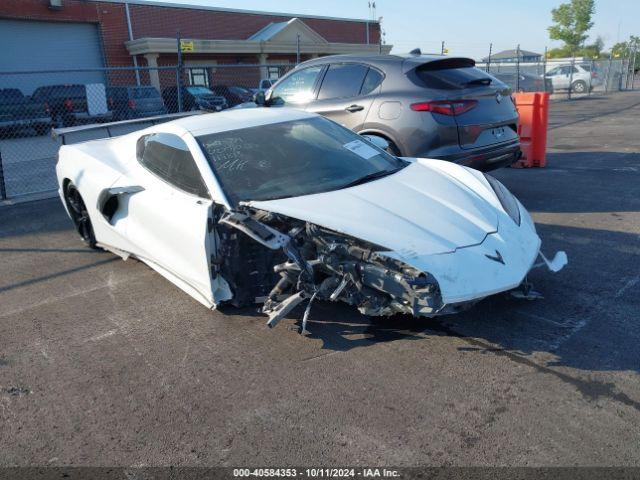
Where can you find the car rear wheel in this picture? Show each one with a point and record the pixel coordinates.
(579, 87)
(80, 215)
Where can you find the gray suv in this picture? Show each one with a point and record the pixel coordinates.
(423, 106)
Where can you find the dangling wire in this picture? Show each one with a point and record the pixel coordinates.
(307, 311)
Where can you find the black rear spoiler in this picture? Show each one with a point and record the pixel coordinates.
(433, 62)
(114, 129)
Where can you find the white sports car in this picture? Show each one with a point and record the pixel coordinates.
(280, 206)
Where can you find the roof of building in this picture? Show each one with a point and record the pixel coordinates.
(232, 10)
(513, 53)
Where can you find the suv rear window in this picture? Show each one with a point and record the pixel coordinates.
(454, 74)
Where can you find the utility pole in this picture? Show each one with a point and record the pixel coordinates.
(544, 70)
(608, 79)
(573, 63)
(297, 49)
(130, 31)
(442, 48)
(633, 68)
(518, 68)
(368, 18)
(489, 57)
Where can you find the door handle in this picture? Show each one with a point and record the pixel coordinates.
(354, 108)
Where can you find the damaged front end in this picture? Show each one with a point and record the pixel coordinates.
(308, 262)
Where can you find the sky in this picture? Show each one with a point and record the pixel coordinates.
(466, 26)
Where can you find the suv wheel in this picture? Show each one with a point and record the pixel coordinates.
(392, 149)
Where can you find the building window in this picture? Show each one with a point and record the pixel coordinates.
(199, 76)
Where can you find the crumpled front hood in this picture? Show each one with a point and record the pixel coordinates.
(425, 208)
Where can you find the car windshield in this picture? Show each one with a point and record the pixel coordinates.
(293, 158)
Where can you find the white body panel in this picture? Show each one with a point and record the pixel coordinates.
(435, 216)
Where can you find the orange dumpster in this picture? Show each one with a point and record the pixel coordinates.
(533, 108)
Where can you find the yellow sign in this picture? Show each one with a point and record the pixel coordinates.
(186, 46)
(445, 51)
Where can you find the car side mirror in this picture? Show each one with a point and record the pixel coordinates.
(379, 142)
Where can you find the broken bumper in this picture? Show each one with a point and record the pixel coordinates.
(499, 264)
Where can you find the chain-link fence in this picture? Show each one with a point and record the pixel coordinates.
(31, 103)
(564, 78)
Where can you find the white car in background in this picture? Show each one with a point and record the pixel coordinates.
(281, 206)
(580, 77)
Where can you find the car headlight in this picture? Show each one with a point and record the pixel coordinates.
(507, 200)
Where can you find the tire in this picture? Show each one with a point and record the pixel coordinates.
(579, 87)
(79, 215)
(42, 129)
(392, 149)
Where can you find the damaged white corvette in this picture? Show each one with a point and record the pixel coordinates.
(279, 207)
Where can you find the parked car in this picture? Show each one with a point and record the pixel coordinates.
(527, 82)
(234, 94)
(423, 106)
(193, 98)
(18, 111)
(580, 77)
(266, 83)
(70, 104)
(281, 206)
(135, 102)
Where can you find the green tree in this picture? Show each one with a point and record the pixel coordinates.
(627, 50)
(572, 21)
(593, 51)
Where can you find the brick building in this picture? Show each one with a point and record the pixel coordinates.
(92, 34)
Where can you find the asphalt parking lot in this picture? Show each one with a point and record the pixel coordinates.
(103, 362)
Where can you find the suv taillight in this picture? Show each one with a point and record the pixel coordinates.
(132, 103)
(445, 107)
(68, 104)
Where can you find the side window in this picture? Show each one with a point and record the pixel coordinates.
(167, 156)
(342, 81)
(371, 81)
(297, 88)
